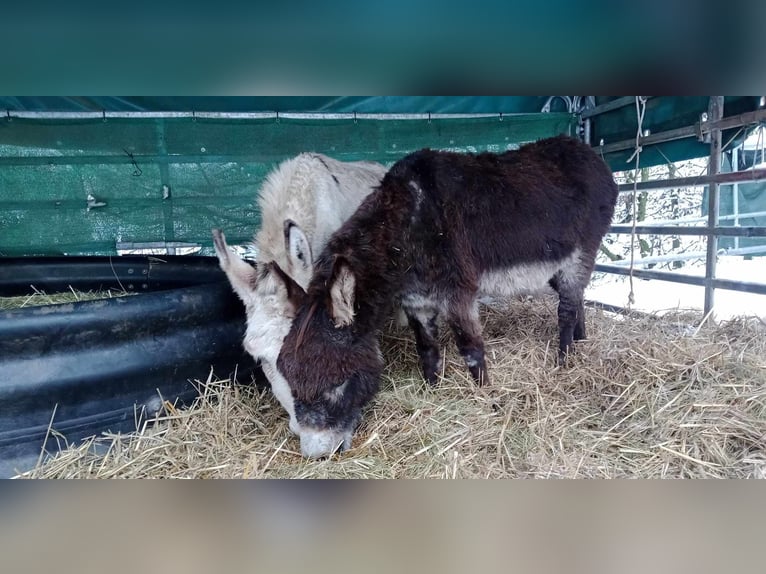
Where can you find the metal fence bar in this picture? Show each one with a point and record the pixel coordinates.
(743, 286)
(617, 309)
(697, 130)
(610, 106)
(750, 175)
(691, 230)
(664, 258)
(680, 220)
(652, 139)
(692, 255)
(652, 274)
(728, 284)
(743, 250)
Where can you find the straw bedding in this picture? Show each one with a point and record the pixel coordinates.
(649, 397)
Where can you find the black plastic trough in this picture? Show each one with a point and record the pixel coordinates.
(98, 363)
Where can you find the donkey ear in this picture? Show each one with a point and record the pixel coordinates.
(342, 293)
(241, 275)
(295, 293)
(297, 245)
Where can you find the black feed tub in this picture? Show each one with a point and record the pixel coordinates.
(99, 363)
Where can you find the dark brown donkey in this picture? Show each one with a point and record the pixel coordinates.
(441, 228)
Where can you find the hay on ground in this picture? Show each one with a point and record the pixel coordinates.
(651, 397)
(37, 297)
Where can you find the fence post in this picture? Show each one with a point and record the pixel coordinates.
(715, 113)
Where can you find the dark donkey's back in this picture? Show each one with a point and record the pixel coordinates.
(500, 224)
(441, 228)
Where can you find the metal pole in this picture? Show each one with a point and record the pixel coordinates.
(715, 113)
(166, 190)
(735, 192)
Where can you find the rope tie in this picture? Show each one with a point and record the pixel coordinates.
(640, 112)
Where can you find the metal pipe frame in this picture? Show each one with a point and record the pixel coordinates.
(105, 115)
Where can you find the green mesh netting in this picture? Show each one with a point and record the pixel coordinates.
(211, 167)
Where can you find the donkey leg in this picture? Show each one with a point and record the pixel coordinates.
(579, 329)
(464, 320)
(571, 315)
(423, 322)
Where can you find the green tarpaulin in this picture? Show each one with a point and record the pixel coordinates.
(172, 180)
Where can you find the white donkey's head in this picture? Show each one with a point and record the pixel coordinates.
(271, 296)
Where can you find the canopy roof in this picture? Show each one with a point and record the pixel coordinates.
(143, 170)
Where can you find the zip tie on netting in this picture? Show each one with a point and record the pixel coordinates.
(640, 111)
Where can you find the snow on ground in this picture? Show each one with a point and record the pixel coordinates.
(652, 295)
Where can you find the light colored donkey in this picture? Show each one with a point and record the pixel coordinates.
(302, 202)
